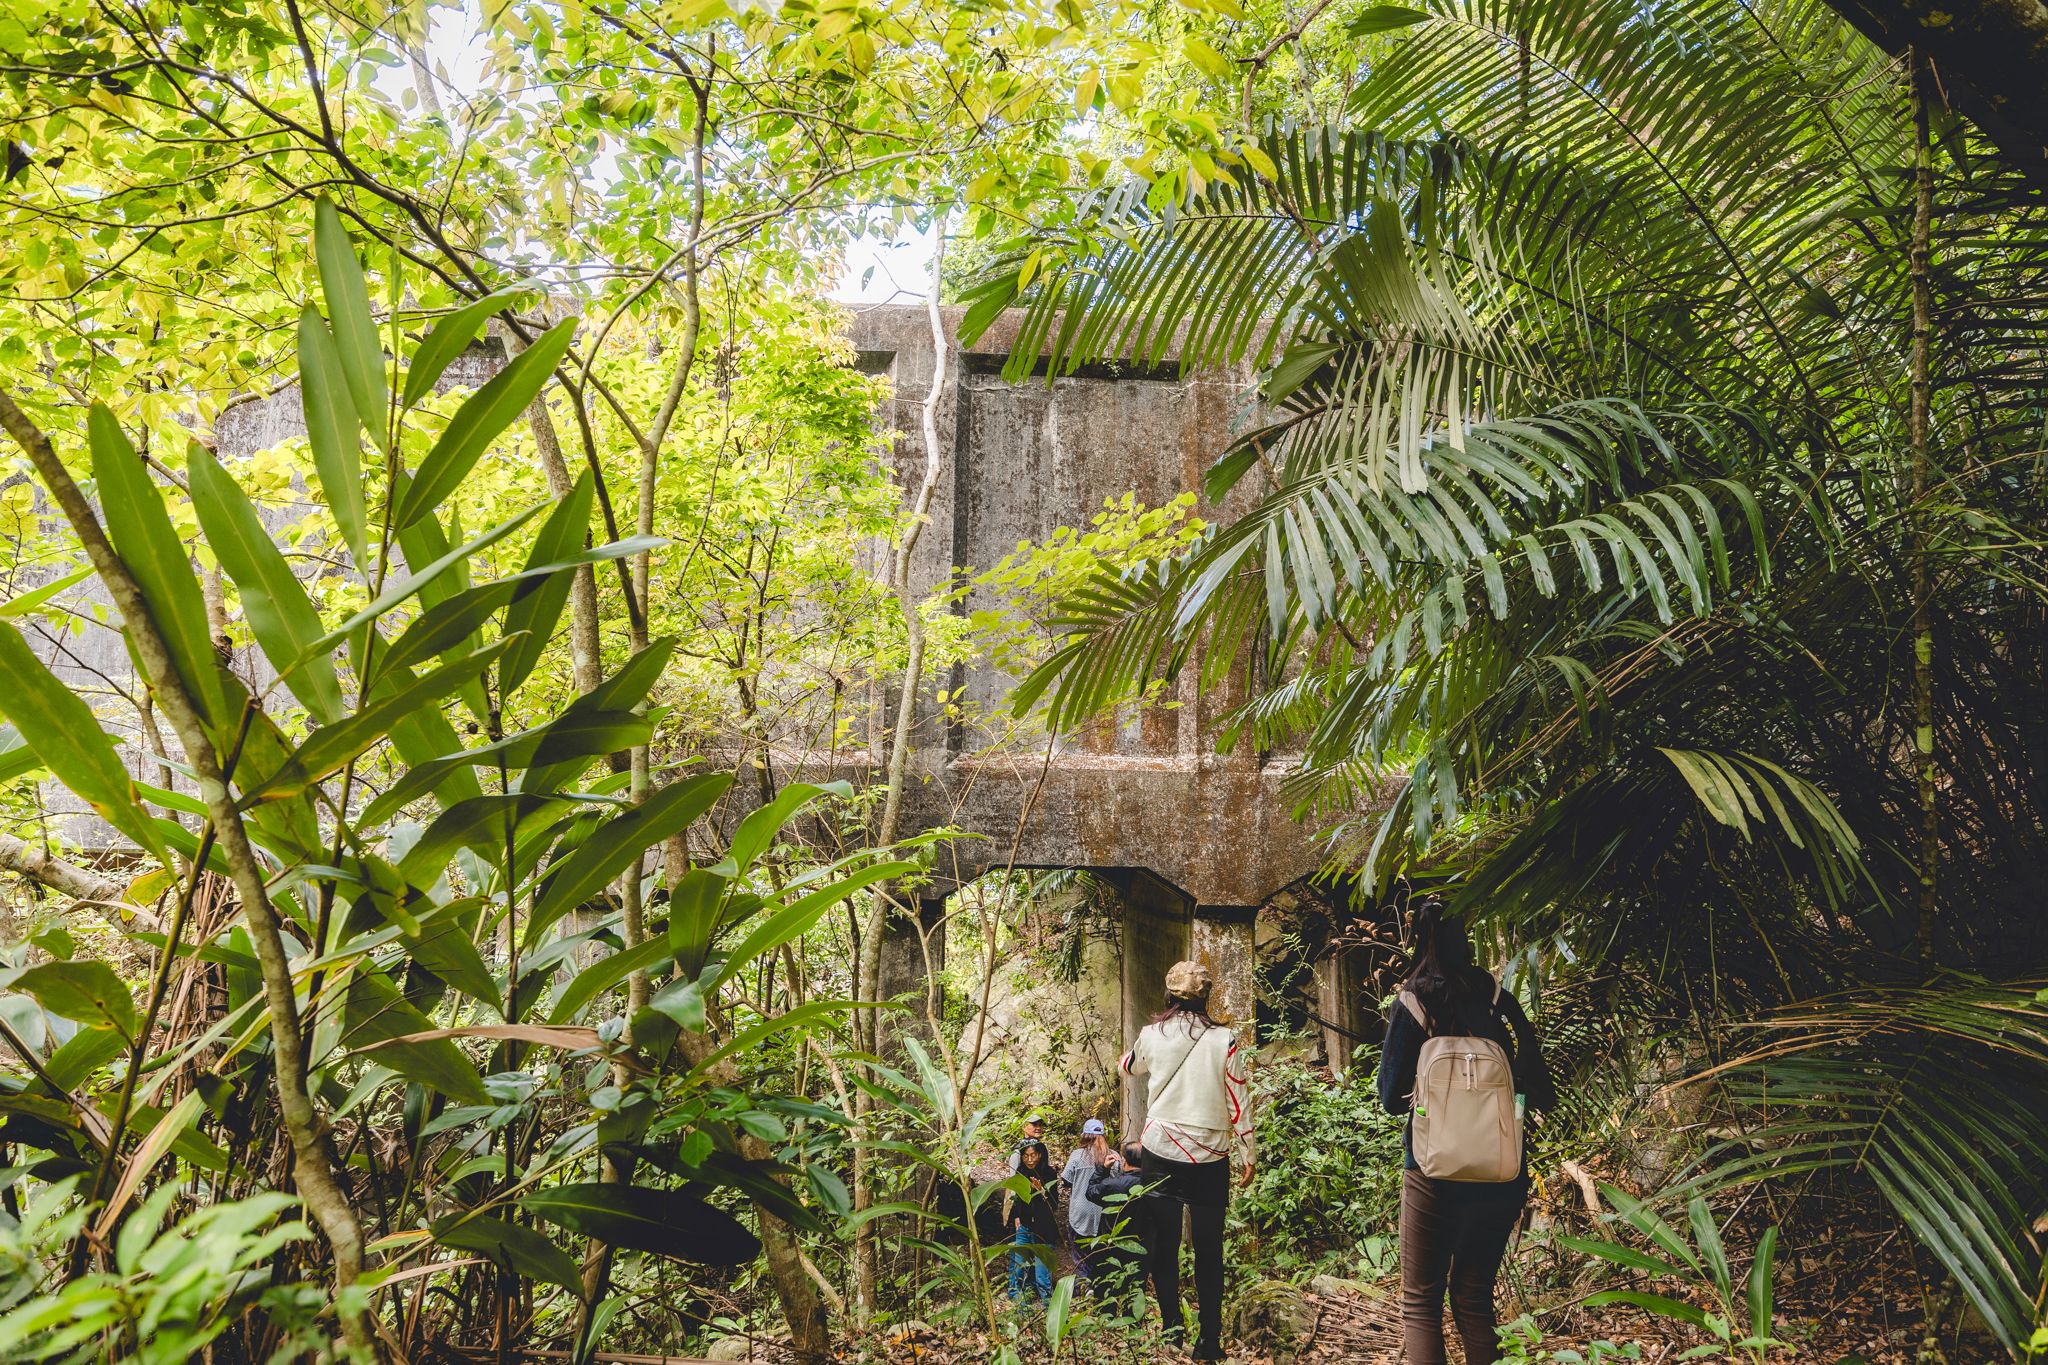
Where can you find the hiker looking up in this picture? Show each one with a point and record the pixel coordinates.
(1197, 1111)
(1084, 1215)
(1461, 1060)
(1033, 1221)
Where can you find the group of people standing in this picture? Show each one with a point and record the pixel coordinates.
(1460, 1060)
(1168, 1186)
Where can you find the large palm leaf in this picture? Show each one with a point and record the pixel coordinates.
(1581, 552)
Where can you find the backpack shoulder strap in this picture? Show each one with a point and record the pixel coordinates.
(1414, 1006)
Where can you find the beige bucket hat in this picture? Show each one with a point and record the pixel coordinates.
(1187, 980)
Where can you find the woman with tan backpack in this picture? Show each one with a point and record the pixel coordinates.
(1463, 1063)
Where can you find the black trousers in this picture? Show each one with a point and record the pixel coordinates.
(1203, 1190)
(1452, 1238)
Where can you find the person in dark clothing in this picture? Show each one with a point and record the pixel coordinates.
(1118, 1186)
(1453, 1232)
(1034, 1221)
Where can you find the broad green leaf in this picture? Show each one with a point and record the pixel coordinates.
(334, 431)
(61, 730)
(1651, 1303)
(757, 832)
(141, 532)
(450, 337)
(31, 600)
(480, 420)
(574, 734)
(418, 580)
(793, 921)
(332, 746)
(751, 1037)
(623, 691)
(511, 1247)
(375, 1012)
(1759, 1287)
(1706, 1235)
(78, 1060)
(476, 822)
(682, 1001)
(357, 345)
(1620, 1255)
(443, 941)
(1381, 18)
(540, 606)
(603, 974)
(447, 624)
(609, 851)
(280, 614)
(644, 1218)
(85, 991)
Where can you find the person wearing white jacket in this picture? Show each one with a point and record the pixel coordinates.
(1197, 1114)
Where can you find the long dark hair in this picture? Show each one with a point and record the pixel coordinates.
(1442, 975)
(1025, 1149)
(1195, 1011)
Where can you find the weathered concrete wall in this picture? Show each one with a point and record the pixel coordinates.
(1146, 791)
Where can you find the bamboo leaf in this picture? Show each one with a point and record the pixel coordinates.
(332, 746)
(140, 529)
(614, 846)
(280, 614)
(450, 337)
(480, 420)
(357, 345)
(539, 605)
(334, 431)
(61, 730)
(512, 1247)
(644, 1218)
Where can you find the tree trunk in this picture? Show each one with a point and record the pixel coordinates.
(1918, 419)
(868, 973)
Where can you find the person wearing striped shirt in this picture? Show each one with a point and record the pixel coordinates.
(1197, 1117)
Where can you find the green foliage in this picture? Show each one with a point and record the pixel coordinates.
(1522, 1344)
(170, 1291)
(1580, 513)
(1702, 1261)
(1327, 1187)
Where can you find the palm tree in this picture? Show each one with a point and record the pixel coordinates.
(1609, 567)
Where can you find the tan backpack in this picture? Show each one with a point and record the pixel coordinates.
(1465, 1126)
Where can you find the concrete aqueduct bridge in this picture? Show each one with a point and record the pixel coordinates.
(1193, 842)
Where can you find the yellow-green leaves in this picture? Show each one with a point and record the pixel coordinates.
(66, 738)
(480, 420)
(142, 534)
(280, 614)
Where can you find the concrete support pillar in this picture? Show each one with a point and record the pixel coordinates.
(1223, 942)
(1345, 1015)
(904, 946)
(1157, 930)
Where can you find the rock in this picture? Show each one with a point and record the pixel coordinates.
(1336, 1287)
(1270, 1315)
(730, 1348)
